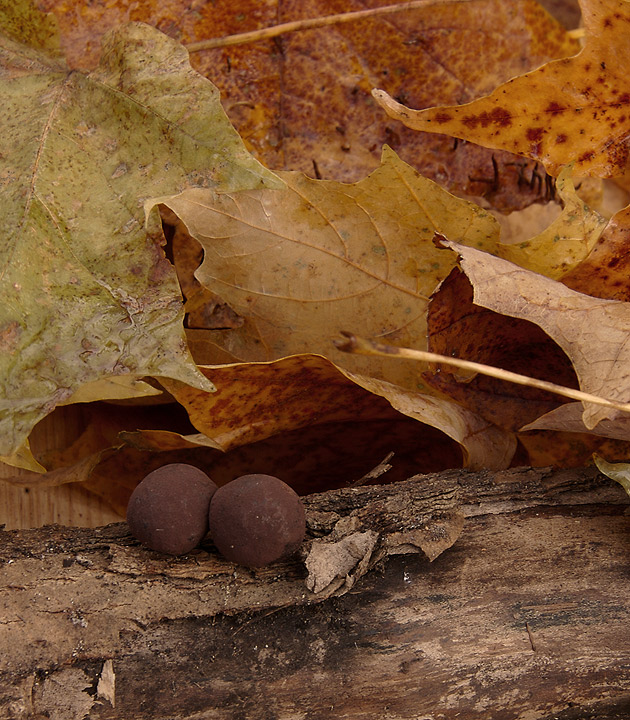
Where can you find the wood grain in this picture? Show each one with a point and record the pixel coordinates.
(526, 616)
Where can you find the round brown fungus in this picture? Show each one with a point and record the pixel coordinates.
(168, 510)
(256, 520)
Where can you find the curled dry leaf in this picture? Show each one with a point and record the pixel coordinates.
(303, 263)
(566, 242)
(594, 333)
(484, 444)
(459, 328)
(100, 297)
(573, 109)
(568, 418)
(615, 471)
(254, 401)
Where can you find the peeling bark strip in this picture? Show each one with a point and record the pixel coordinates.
(526, 615)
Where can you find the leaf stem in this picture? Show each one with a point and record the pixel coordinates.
(310, 23)
(363, 346)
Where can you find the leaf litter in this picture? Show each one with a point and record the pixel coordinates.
(292, 260)
(103, 301)
(301, 101)
(573, 109)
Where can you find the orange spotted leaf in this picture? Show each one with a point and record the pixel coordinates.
(574, 109)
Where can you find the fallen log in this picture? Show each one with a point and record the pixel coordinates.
(456, 595)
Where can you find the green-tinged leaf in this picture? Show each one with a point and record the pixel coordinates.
(31, 28)
(85, 290)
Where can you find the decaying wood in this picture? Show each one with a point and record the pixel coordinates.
(525, 614)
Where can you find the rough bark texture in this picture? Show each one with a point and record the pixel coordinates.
(525, 616)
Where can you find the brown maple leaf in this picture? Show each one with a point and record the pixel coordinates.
(301, 101)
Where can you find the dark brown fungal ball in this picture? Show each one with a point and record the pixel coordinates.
(168, 510)
(256, 520)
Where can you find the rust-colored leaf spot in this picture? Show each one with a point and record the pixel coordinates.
(554, 109)
(565, 92)
(442, 118)
(498, 116)
(286, 96)
(535, 134)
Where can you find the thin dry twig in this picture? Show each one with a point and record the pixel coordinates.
(310, 24)
(362, 346)
(375, 472)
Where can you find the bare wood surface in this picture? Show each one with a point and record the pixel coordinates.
(71, 504)
(525, 616)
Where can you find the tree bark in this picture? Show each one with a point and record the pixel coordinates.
(455, 595)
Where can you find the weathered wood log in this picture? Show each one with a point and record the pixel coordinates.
(526, 615)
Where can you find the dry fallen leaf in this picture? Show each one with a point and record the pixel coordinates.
(460, 329)
(605, 272)
(302, 264)
(301, 101)
(570, 110)
(569, 418)
(616, 471)
(254, 401)
(79, 154)
(563, 244)
(594, 333)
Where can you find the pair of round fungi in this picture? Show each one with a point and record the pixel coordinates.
(253, 520)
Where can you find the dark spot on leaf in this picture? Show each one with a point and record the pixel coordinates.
(586, 156)
(561, 138)
(554, 108)
(535, 134)
(602, 65)
(442, 117)
(501, 116)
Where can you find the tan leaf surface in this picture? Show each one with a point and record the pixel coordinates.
(483, 443)
(302, 101)
(302, 264)
(570, 110)
(458, 328)
(568, 418)
(594, 333)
